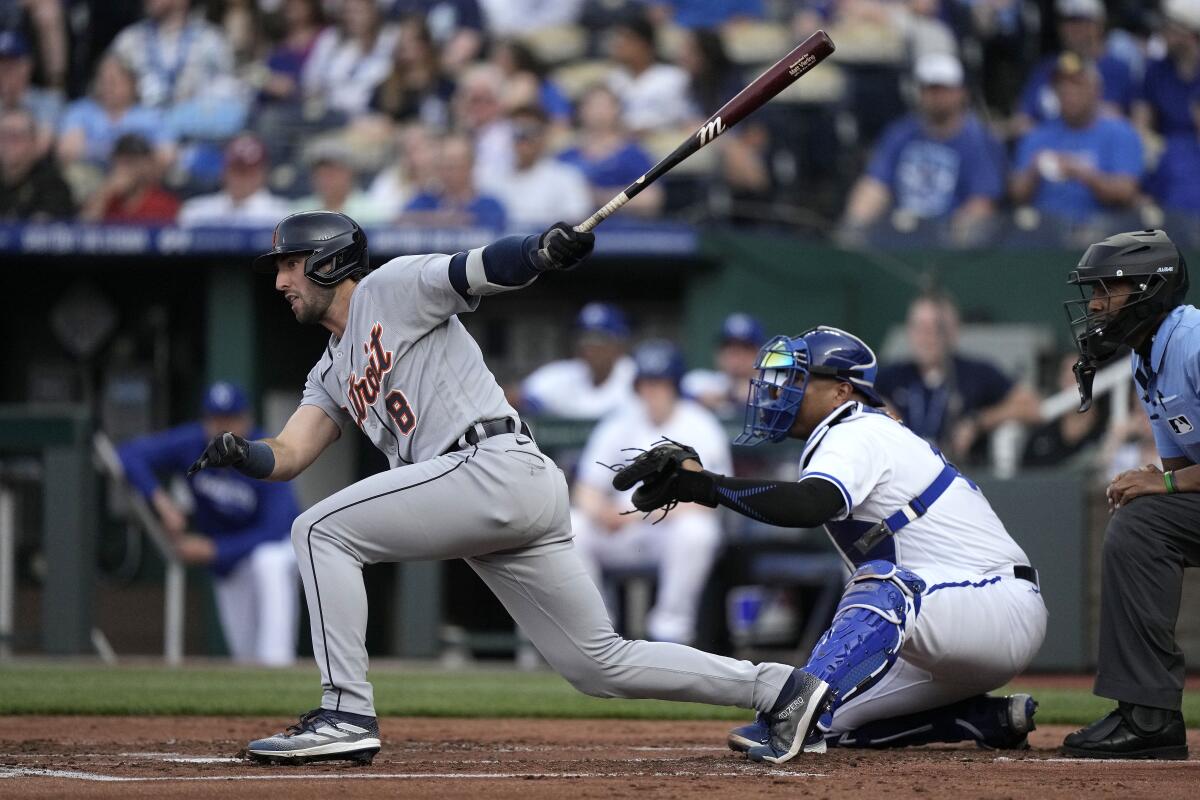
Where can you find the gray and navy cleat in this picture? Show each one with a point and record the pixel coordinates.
(321, 735)
(1012, 724)
(756, 734)
(792, 724)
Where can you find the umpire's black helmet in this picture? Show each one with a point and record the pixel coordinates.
(1160, 281)
(337, 245)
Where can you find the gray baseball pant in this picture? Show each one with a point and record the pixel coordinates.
(1148, 544)
(501, 505)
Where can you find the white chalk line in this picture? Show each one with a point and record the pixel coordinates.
(1090, 762)
(34, 772)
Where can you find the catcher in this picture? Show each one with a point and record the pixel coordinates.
(942, 605)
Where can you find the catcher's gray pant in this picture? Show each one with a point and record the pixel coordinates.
(502, 506)
(1148, 544)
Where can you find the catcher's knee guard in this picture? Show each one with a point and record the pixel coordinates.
(879, 604)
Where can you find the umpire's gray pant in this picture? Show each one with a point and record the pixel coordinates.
(502, 506)
(1148, 544)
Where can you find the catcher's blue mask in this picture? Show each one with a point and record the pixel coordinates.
(786, 363)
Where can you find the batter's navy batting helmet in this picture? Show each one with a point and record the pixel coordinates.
(785, 365)
(658, 358)
(337, 245)
(1155, 267)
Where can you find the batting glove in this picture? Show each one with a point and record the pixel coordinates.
(563, 247)
(223, 450)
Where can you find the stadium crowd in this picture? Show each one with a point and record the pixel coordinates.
(961, 117)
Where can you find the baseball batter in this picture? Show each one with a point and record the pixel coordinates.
(467, 481)
(942, 605)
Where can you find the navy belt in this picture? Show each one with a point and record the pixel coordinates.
(487, 429)
(1027, 573)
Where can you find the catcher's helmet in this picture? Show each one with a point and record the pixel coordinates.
(1160, 281)
(658, 358)
(784, 366)
(337, 245)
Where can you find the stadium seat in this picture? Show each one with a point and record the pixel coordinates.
(756, 42)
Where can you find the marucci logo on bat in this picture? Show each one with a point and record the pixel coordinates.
(802, 65)
(710, 130)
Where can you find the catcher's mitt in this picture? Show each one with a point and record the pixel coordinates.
(656, 469)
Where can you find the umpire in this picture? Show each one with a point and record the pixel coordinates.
(1132, 287)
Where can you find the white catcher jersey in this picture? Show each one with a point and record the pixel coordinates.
(879, 465)
(406, 371)
(689, 423)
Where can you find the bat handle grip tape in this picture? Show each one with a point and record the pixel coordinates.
(603, 214)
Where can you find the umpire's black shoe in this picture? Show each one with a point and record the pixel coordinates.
(1131, 732)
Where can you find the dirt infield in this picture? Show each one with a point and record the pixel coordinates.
(43, 757)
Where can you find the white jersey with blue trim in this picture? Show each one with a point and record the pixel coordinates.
(879, 465)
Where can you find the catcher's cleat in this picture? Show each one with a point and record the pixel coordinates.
(1009, 728)
(793, 721)
(758, 734)
(321, 735)
(1131, 731)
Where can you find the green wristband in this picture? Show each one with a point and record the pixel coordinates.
(1169, 480)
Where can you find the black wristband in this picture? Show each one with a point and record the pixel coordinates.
(260, 461)
(696, 487)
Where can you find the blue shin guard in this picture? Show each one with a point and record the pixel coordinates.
(877, 610)
(868, 629)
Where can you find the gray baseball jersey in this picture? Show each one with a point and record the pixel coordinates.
(409, 375)
(406, 371)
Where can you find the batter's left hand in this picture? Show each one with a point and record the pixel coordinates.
(1135, 483)
(563, 247)
(195, 549)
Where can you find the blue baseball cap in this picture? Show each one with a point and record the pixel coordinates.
(658, 358)
(741, 327)
(13, 45)
(223, 398)
(602, 318)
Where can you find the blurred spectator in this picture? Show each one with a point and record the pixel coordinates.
(132, 191)
(610, 158)
(653, 94)
(335, 186)
(45, 21)
(683, 545)
(526, 82)
(31, 187)
(455, 201)
(184, 67)
(725, 389)
(541, 189)
(350, 60)
(945, 398)
(415, 90)
(240, 528)
(1083, 162)
(244, 200)
(456, 27)
(1175, 182)
(16, 73)
(479, 110)
(414, 170)
(598, 380)
(712, 77)
(1065, 438)
(705, 14)
(522, 17)
(91, 126)
(303, 21)
(1162, 104)
(1080, 31)
(1128, 444)
(937, 163)
(1002, 30)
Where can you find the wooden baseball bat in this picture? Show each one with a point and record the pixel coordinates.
(779, 76)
